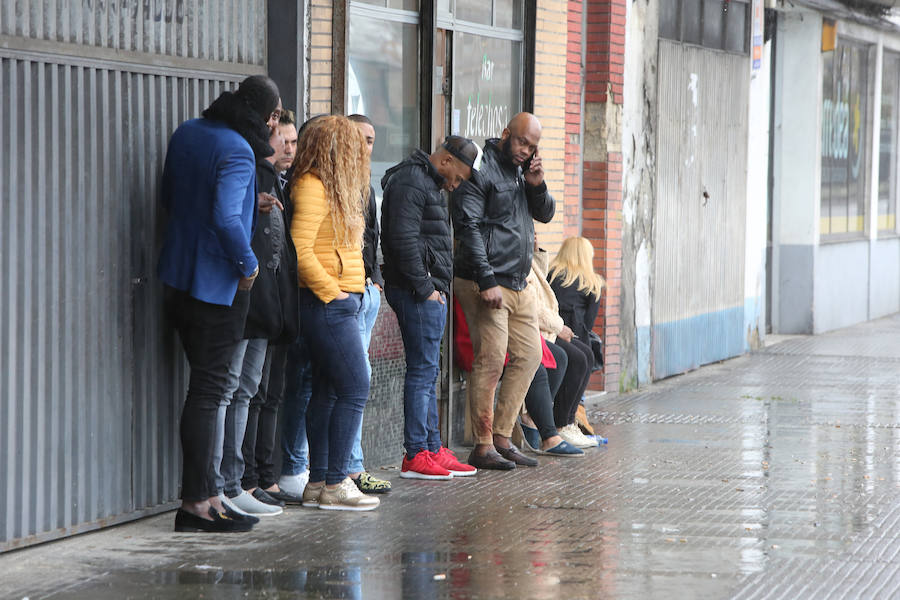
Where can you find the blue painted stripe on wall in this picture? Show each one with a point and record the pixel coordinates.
(680, 346)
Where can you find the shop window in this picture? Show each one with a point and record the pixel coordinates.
(887, 145)
(487, 87)
(717, 24)
(398, 4)
(844, 133)
(507, 14)
(382, 80)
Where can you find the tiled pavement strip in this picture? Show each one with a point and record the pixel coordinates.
(773, 475)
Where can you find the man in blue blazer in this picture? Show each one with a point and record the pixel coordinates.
(208, 267)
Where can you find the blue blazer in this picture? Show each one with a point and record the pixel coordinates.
(209, 191)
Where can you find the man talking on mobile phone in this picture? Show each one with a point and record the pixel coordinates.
(493, 217)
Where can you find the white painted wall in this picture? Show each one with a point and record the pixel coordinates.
(797, 118)
(885, 279)
(757, 201)
(796, 164)
(841, 289)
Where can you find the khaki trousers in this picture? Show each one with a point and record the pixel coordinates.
(494, 332)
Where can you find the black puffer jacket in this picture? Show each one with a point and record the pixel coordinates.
(274, 312)
(493, 217)
(415, 228)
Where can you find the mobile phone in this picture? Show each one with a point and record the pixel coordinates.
(527, 164)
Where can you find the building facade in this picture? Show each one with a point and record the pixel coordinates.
(835, 246)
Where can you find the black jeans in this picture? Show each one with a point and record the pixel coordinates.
(539, 399)
(210, 335)
(262, 418)
(575, 381)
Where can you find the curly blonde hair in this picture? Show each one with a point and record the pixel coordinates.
(574, 263)
(332, 149)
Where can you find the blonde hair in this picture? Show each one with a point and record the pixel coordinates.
(575, 263)
(332, 149)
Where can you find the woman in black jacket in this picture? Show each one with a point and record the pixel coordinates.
(577, 288)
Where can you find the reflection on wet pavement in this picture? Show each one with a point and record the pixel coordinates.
(769, 476)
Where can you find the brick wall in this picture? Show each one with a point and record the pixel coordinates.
(602, 171)
(550, 107)
(574, 91)
(320, 57)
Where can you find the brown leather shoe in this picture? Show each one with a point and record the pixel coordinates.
(490, 460)
(512, 454)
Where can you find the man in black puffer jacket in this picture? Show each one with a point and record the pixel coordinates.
(493, 219)
(418, 265)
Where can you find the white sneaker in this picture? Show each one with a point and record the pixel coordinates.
(250, 505)
(294, 484)
(347, 496)
(572, 434)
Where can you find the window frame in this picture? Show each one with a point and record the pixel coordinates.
(679, 27)
(870, 49)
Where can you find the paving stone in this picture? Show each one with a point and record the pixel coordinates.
(771, 476)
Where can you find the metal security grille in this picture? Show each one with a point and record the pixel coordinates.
(91, 385)
(698, 300)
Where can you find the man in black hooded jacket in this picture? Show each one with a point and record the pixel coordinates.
(493, 217)
(418, 265)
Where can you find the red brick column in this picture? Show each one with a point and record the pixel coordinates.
(602, 169)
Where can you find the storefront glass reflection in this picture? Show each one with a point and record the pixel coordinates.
(382, 83)
(487, 88)
(887, 144)
(845, 111)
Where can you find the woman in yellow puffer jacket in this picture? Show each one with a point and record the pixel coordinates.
(329, 191)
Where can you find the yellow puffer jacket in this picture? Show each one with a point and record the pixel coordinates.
(324, 267)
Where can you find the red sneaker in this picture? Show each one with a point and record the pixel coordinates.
(445, 458)
(422, 466)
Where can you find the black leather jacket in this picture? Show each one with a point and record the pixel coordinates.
(415, 228)
(493, 216)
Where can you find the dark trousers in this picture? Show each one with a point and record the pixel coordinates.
(210, 335)
(575, 380)
(422, 325)
(539, 399)
(262, 419)
(340, 383)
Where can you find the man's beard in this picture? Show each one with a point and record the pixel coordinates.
(506, 150)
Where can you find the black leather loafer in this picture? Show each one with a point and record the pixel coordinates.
(239, 517)
(286, 497)
(490, 460)
(267, 498)
(187, 522)
(512, 453)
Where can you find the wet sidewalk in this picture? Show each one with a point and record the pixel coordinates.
(773, 475)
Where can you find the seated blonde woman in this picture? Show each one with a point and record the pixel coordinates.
(577, 288)
(538, 427)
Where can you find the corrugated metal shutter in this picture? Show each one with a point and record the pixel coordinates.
(698, 298)
(92, 379)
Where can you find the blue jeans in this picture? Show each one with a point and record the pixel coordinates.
(371, 302)
(422, 328)
(231, 464)
(340, 383)
(297, 391)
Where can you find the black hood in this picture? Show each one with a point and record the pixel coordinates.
(416, 159)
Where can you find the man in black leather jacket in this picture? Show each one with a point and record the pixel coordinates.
(418, 265)
(493, 218)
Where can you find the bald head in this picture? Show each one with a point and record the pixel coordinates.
(521, 137)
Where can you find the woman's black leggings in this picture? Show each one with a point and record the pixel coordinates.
(575, 380)
(539, 399)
